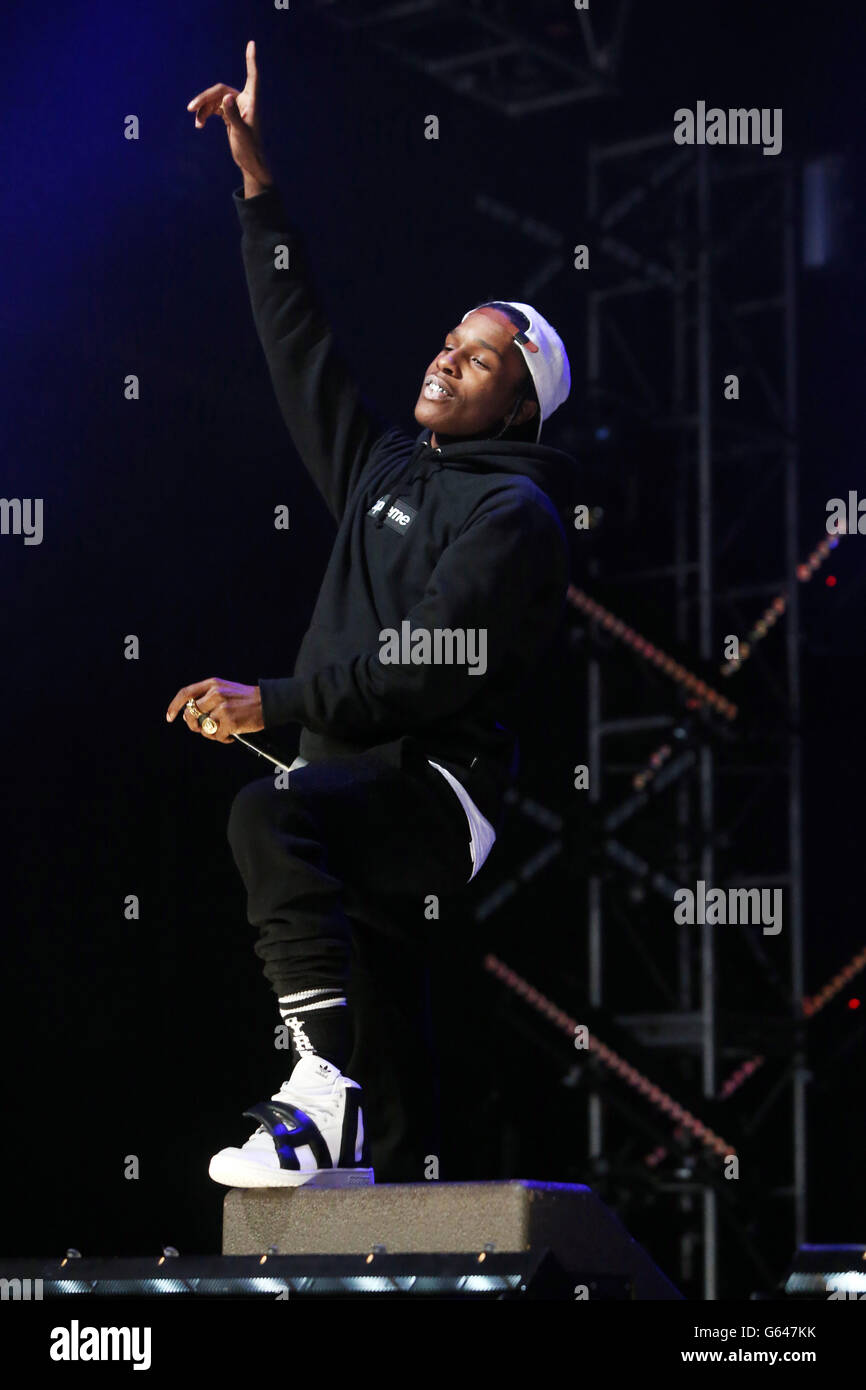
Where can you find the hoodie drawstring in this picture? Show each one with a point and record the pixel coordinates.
(430, 463)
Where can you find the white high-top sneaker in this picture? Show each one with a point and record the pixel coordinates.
(311, 1131)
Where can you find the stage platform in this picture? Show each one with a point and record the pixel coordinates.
(477, 1218)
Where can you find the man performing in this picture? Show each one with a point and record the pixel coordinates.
(445, 585)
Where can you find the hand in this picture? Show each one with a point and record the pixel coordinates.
(239, 111)
(236, 708)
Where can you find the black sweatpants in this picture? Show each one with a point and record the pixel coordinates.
(339, 867)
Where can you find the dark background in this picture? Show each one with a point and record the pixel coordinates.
(150, 1037)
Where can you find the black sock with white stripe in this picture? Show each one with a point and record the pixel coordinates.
(318, 1022)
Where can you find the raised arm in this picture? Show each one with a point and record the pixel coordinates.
(332, 426)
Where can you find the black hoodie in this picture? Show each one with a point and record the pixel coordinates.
(466, 537)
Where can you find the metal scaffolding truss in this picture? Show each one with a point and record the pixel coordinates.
(695, 251)
(693, 280)
(513, 58)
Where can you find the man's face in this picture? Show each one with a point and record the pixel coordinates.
(480, 370)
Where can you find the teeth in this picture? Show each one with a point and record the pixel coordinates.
(436, 386)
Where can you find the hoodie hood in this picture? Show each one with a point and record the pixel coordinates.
(550, 469)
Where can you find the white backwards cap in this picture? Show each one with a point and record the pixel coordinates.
(545, 356)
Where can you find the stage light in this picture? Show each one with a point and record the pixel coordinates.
(825, 199)
(811, 1006)
(449, 1274)
(803, 572)
(821, 1270)
(830, 581)
(649, 652)
(617, 1064)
